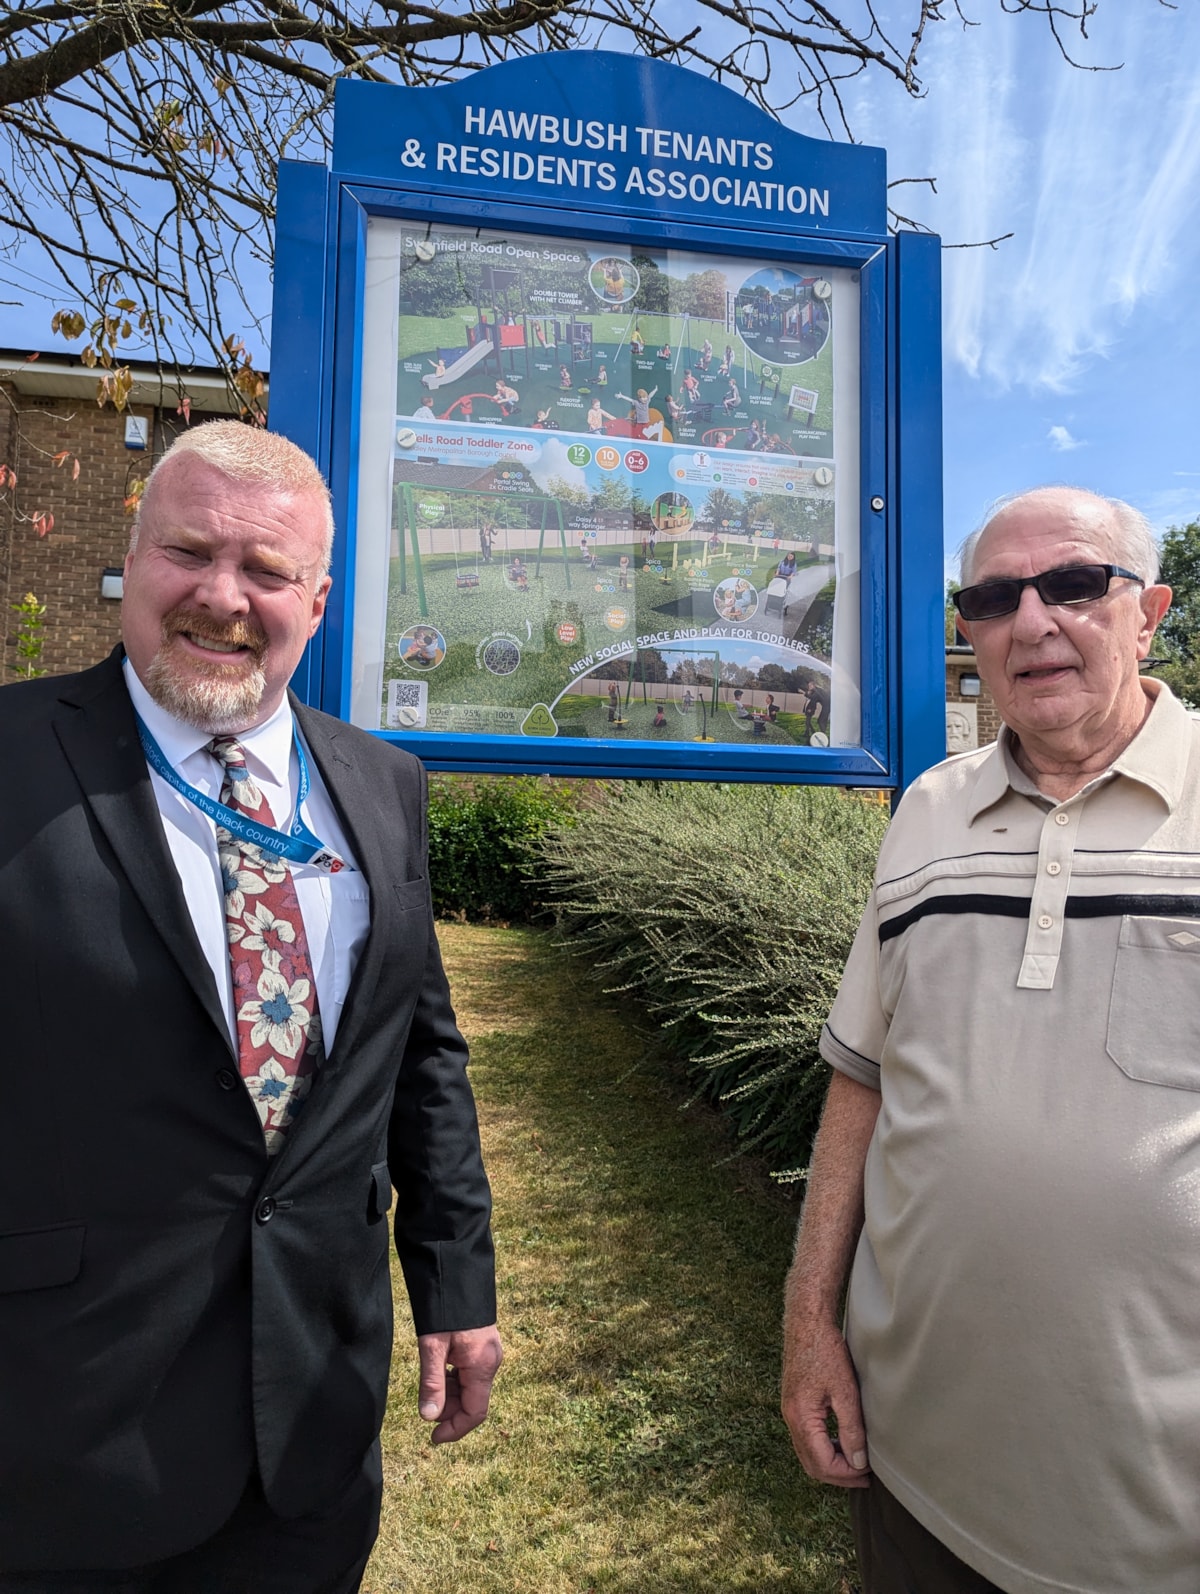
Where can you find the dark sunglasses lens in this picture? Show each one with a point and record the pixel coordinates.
(989, 599)
(1079, 584)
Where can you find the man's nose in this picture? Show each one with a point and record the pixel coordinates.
(220, 589)
(1034, 619)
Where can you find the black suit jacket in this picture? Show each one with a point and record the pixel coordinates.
(175, 1307)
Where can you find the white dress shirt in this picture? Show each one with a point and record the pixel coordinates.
(335, 907)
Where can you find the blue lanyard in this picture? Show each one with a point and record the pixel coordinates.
(298, 845)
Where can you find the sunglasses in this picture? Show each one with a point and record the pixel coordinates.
(1072, 584)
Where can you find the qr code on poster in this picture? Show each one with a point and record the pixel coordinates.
(407, 703)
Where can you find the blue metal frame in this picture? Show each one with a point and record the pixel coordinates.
(304, 284)
(918, 601)
(315, 400)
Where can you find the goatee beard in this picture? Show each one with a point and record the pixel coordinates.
(220, 699)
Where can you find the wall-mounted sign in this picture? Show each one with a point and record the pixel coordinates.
(607, 487)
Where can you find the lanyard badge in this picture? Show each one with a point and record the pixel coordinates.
(297, 845)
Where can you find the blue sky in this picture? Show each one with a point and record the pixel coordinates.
(1072, 351)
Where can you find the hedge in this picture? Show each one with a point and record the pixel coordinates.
(728, 913)
(483, 843)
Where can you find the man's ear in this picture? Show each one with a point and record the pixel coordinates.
(318, 608)
(1155, 602)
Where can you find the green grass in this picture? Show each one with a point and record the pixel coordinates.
(635, 1443)
(422, 335)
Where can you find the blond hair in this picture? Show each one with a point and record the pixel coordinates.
(245, 454)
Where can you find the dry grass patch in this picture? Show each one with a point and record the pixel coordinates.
(635, 1443)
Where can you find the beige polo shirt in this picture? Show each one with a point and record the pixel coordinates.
(1024, 1308)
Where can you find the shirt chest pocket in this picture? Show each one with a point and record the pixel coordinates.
(1154, 1010)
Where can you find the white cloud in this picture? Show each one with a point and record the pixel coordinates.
(1097, 174)
(1061, 439)
(552, 463)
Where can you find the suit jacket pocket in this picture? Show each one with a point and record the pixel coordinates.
(380, 1198)
(39, 1259)
(411, 894)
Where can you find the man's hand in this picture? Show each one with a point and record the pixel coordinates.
(457, 1371)
(818, 1376)
(818, 1379)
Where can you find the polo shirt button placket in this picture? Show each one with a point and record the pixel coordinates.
(1047, 910)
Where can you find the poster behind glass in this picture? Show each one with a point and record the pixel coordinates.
(614, 506)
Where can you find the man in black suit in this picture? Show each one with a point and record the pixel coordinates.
(197, 1150)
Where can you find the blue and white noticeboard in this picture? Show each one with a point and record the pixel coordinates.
(632, 464)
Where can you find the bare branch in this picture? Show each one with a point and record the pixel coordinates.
(983, 243)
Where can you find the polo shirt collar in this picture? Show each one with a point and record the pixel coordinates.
(1157, 756)
(268, 746)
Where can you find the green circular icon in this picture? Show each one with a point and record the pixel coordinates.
(579, 454)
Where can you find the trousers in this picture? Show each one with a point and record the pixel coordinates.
(897, 1555)
(254, 1552)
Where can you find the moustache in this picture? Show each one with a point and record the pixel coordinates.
(203, 628)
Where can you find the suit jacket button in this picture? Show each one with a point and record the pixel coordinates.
(266, 1209)
(227, 1079)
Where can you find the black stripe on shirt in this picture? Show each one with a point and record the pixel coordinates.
(1159, 907)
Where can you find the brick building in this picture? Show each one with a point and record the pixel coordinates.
(972, 719)
(48, 407)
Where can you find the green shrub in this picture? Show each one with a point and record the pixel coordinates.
(728, 912)
(31, 619)
(483, 836)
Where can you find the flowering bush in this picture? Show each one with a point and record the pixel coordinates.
(728, 912)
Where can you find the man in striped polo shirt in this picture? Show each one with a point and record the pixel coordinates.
(1009, 1163)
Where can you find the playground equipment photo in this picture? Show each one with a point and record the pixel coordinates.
(549, 335)
(467, 577)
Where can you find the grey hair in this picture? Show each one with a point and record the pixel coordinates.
(1132, 538)
(245, 453)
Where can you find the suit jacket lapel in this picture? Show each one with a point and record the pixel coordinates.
(97, 731)
(352, 796)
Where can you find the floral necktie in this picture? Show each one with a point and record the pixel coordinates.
(274, 993)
